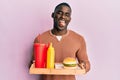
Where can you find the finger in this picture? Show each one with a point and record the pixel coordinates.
(81, 66)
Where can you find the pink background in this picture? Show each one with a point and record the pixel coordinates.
(22, 20)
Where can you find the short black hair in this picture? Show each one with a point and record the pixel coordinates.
(63, 4)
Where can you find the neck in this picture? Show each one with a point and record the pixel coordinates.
(58, 32)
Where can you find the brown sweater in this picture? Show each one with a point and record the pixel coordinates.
(71, 45)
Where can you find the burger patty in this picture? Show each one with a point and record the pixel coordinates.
(69, 65)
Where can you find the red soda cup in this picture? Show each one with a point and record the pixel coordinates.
(40, 53)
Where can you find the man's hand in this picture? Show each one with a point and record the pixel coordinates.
(85, 65)
(82, 65)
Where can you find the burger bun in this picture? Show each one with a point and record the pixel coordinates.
(69, 63)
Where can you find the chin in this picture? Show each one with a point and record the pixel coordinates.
(62, 28)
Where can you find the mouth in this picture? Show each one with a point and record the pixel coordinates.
(61, 23)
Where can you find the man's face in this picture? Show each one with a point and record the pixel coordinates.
(62, 17)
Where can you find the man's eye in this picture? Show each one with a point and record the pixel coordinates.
(59, 12)
(67, 14)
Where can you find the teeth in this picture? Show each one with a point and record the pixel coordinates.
(62, 23)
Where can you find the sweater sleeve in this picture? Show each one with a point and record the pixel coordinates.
(82, 55)
(37, 39)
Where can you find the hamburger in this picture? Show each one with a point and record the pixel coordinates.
(70, 63)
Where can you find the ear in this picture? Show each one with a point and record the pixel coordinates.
(52, 15)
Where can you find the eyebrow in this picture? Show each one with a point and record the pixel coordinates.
(62, 11)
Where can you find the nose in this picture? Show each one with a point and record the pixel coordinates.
(63, 16)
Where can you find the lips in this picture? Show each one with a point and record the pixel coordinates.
(61, 23)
